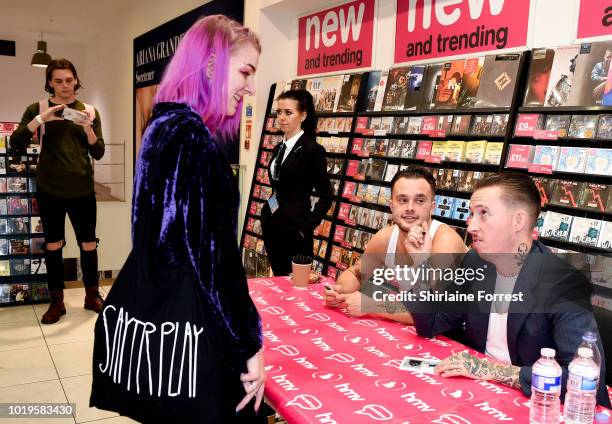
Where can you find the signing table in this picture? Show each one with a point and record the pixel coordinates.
(326, 367)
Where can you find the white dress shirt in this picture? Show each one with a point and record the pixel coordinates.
(289, 144)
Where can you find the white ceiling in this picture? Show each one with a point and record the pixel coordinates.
(61, 20)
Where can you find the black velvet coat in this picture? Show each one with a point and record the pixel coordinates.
(184, 269)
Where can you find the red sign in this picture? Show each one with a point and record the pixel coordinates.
(540, 169)
(546, 134)
(428, 125)
(526, 124)
(595, 18)
(336, 39)
(438, 134)
(440, 28)
(518, 156)
(433, 159)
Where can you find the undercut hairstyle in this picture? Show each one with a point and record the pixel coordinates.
(414, 173)
(211, 39)
(60, 64)
(305, 103)
(517, 188)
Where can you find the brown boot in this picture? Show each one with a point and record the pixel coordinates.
(93, 299)
(56, 308)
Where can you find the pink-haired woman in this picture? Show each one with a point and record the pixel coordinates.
(179, 339)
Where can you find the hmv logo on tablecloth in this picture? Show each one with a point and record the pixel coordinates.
(457, 394)
(318, 316)
(425, 378)
(305, 332)
(341, 357)
(390, 385)
(493, 387)
(273, 310)
(327, 376)
(336, 39)
(356, 339)
(412, 400)
(307, 402)
(350, 393)
(409, 347)
(376, 412)
(395, 363)
(450, 419)
(273, 369)
(269, 335)
(291, 298)
(493, 412)
(366, 323)
(286, 350)
(284, 383)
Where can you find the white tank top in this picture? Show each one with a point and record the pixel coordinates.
(392, 246)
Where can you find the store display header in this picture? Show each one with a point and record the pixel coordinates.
(595, 18)
(429, 29)
(336, 39)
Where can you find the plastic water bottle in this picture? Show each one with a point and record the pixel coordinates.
(581, 394)
(545, 389)
(589, 340)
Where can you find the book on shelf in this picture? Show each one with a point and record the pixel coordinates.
(583, 126)
(558, 123)
(396, 89)
(498, 80)
(449, 85)
(461, 209)
(546, 155)
(599, 162)
(444, 206)
(372, 90)
(605, 238)
(560, 80)
(475, 151)
(461, 124)
(604, 129)
(493, 153)
(349, 92)
(572, 159)
(380, 94)
(585, 231)
(455, 150)
(590, 74)
(596, 197)
(538, 77)
(470, 82)
(566, 193)
(557, 226)
(431, 80)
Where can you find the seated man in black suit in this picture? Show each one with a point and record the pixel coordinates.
(551, 304)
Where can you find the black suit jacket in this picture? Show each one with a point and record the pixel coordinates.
(304, 169)
(555, 313)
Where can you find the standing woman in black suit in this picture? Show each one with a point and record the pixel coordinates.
(298, 166)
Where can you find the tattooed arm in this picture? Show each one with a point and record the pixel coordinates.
(468, 365)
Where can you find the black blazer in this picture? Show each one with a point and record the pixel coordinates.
(304, 169)
(555, 313)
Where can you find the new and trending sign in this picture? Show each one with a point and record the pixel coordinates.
(595, 18)
(426, 29)
(336, 39)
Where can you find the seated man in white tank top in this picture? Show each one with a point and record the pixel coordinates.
(414, 235)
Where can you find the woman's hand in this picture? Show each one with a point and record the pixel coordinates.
(253, 381)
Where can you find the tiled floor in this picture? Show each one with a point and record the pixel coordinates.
(50, 363)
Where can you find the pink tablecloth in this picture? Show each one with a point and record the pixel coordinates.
(326, 367)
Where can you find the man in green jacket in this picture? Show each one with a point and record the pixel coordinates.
(65, 179)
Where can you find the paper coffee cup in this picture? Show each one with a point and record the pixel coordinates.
(301, 274)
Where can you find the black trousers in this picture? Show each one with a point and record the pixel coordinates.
(282, 243)
(82, 213)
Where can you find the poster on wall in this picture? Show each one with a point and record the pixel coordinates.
(336, 39)
(153, 51)
(427, 29)
(595, 18)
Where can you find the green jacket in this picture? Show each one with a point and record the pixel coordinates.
(64, 167)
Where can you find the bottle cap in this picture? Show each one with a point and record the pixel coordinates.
(548, 352)
(585, 352)
(602, 417)
(590, 337)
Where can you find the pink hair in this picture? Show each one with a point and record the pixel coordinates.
(210, 40)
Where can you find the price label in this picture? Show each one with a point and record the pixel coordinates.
(540, 169)
(526, 124)
(546, 134)
(356, 199)
(438, 134)
(433, 159)
(380, 132)
(518, 156)
(342, 266)
(350, 222)
(428, 125)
